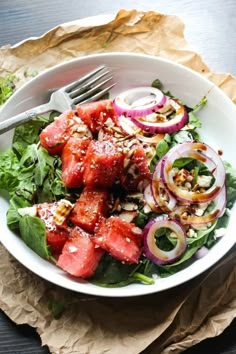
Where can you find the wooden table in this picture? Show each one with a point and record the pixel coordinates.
(210, 29)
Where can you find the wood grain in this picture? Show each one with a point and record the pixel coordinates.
(210, 29)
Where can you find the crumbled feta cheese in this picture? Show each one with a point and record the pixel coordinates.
(228, 211)
(155, 276)
(199, 212)
(220, 232)
(30, 211)
(191, 233)
(188, 185)
(204, 181)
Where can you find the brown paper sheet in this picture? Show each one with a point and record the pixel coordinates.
(160, 323)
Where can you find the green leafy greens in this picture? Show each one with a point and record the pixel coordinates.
(7, 87)
(30, 176)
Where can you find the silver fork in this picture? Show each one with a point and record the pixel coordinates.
(87, 88)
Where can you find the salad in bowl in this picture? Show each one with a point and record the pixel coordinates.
(121, 193)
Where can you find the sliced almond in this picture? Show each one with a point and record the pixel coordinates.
(129, 206)
(128, 216)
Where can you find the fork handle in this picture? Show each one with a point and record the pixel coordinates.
(24, 117)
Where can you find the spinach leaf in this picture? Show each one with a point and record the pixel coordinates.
(13, 216)
(112, 273)
(33, 233)
(182, 162)
(193, 245)
(162, 148)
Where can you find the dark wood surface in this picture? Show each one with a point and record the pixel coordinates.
(210, 29)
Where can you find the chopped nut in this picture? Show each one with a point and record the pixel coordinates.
(129, 206)
(181, 176)
(137, 230)
(100, 135)
(128, 216)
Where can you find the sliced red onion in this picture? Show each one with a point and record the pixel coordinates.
(160, 193)
(207, 156)
(168, 126)
(148, 197)
(187, 214)
(153, 252)
(139, 101)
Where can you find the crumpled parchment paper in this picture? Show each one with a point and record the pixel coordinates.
(171, 321)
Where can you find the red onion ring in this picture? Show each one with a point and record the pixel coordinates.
(148, 197)
(192, 219)
(153, 252)
(169, 126)
(210, 158)
(139, 101)
(157, 188)
(202, 252)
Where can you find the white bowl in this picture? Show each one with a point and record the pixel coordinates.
(129, 70)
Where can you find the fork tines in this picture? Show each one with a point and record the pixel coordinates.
(91, 86)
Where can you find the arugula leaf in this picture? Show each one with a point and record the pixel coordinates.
(200, 104)
(157, 84)
(7, 87)
(28, 134)
(193, 120)
(33, 233)
(40, 173)
(181, 137)
(34, 158)
(9, 169)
